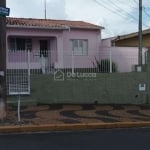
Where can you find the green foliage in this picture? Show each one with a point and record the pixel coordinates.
(104, 66)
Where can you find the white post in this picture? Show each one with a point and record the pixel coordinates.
(72, 58)
(43, 64)
(110, 57)
(18, 111)
(28, 71)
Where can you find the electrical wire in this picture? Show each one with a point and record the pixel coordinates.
(135, 2)
(101, 3)
(146, 13)
(123, 10)
(116, 12)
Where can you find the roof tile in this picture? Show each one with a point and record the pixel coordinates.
(49, 23)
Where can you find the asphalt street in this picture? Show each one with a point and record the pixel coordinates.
(109, 139)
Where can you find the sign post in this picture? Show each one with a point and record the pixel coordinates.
(3, 13)
(140, 34)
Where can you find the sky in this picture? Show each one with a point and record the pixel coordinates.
(118, 17)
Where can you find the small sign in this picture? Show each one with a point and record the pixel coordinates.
(139, 69)
(4, 11)
(142, 87)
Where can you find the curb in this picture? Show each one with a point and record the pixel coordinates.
(65, 127)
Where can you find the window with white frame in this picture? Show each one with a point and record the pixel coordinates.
(80, 47)
(18, 44)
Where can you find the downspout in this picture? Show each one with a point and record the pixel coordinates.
(72, 55)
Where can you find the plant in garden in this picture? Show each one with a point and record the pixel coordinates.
(104, 65)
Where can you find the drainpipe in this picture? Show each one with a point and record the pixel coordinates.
(110, 58)
(68, 28)
(72, 55)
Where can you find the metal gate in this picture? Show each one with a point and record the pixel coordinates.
(18, 72)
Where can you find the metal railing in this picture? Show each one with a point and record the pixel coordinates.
(22, 64)
(50, 60)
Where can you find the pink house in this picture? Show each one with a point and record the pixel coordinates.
(51, 43)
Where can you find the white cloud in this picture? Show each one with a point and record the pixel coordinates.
(35, 8)
(114, 15)
(114, 23)
(56, 9)
(21, 8)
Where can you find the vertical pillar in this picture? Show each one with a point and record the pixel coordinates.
(2, 63)
(148, 76)
(140, 33)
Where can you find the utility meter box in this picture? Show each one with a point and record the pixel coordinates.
(142, 87)
(138, 69)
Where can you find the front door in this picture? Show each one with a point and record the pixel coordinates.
(44, 55)
(43, 48)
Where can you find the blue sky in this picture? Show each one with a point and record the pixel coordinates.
(117, 16)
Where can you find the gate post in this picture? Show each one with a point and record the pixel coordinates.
(148, 75)
(2, 63)
(29, 82)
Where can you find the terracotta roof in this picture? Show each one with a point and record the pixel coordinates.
(131, 35)
(48, 23)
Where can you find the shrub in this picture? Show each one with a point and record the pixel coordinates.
(104, 66)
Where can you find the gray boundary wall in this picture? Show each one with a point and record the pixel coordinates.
(105, 88)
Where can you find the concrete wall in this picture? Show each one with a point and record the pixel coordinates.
(107, 42)
(124, 57)
(105, 89)
(115, 88)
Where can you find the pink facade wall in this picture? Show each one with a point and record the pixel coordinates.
(107, 42)
(35, 35)
(94, 40)
(60, 54)
(124, 57)
(60, 50)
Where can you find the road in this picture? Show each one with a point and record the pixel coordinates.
(116, 139)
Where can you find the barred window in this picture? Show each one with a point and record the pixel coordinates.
(18, 44)
(80, 47)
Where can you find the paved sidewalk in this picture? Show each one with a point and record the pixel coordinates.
(78, 114)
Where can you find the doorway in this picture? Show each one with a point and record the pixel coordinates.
(44, 55)
(43, 48)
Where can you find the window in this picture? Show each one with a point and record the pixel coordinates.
(19, 44)
(80, 47)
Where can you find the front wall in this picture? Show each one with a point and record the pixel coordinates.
(38, 34)
(64, 45)
(124, 57)
(115, 88)
(33, 32)
(105, 89)
(93, 37)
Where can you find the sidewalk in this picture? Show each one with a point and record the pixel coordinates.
(75, 117)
